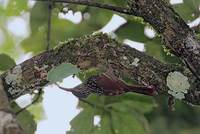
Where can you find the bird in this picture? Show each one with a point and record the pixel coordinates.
(80, 91)
(108, 84)
(103, 84)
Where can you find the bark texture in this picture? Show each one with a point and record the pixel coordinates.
(175, 32)
(8, 121)
(100, 51)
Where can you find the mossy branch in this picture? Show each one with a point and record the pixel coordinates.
(97, 50)
(177, 35)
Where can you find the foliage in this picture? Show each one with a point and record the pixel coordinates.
(189, 10)
(26, 119)
(114, 112)
(6, 62)
(62, 71)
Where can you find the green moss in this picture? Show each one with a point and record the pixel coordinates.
(84, 75)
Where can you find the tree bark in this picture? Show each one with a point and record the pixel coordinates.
(100, 50)
(8, 121)
(97, 50)
(176, 34)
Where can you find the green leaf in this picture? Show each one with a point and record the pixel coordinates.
(104, 126)
(155, 48)
(119, 123)
(131, 101)
(26, 119)
(133, 30)
(130, 124)
(61, 29)
(84, 75)
(36, 109)
(188, 10)
(38, 16)
(83, 122)
(160, 125)
(62, 71)
(8, 45)
(122, 114)
(6, 62)
(36, 42)
(16, 7)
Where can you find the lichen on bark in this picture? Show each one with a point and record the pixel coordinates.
(176, 34)
(178, 84)
(101, 51)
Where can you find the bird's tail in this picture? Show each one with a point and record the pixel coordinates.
(146, 90)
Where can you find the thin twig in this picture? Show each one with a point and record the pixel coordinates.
(196, 28)
(33, 102)
(64, 88)
(111, 123)
(96, 4)
(49, 25)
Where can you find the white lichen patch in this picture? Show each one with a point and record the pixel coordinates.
(178, 84)
(135, 62)
(14, 79)
(192, 44)
(125, 58)
(14, 76)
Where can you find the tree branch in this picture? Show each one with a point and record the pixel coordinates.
(123, 10)
(8, 121)
(99, 51)
(175, 32)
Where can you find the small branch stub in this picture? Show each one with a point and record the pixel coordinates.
(8, 121)
(9, 124)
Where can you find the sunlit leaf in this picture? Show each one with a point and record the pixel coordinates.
(62, 71)
(8, 45)
(16, 7)
(37, 109)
